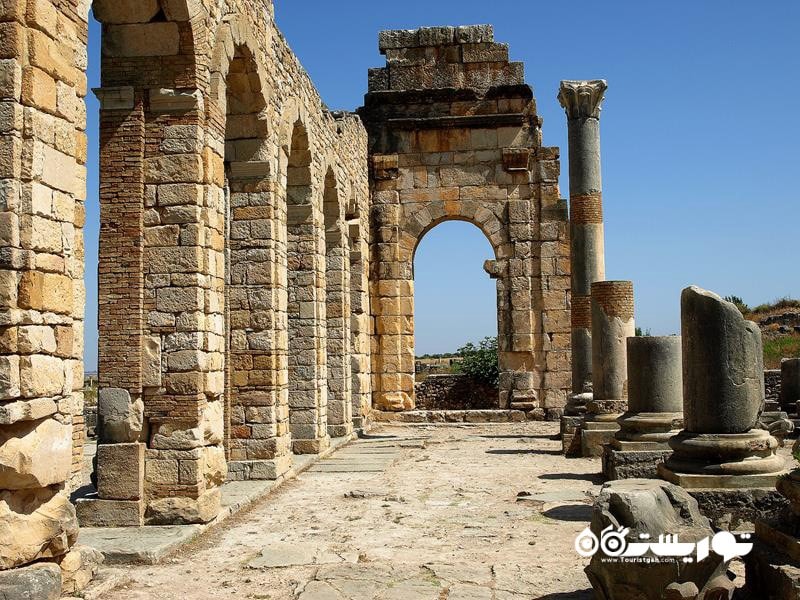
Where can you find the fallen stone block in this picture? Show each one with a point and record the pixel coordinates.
(37, 582)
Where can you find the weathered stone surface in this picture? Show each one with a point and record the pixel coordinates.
(215, 469)
(34, 454)
(37, 582)
(723, 367)
(31, 410)
(119, 419)
(654, 508)
(184, 511)
(35, 524)
(95, 512)
(120, 471)
(78, 568)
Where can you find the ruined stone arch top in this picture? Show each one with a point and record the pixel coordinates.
(235, 32)
(414, 230)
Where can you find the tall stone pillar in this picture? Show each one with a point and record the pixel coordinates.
(720, 451)
(655, 409)
(612, 325)
(581, 101)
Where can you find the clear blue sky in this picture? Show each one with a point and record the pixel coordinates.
(699, 133)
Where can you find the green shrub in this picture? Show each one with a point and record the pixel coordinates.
(743, 308)
(480, 362)
(776, 349)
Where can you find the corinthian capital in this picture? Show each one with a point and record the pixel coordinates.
(582, 99)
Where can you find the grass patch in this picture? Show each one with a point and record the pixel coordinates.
(778, 348)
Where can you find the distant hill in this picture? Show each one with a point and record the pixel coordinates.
(780, 325)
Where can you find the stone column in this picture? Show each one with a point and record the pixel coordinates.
(612, 324)
(581, 101)
(720, 449)
(790, 385)
(655, 409)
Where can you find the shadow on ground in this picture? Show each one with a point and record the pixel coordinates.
(523, 451)
(595, 478)
(570, 512)
(584, 595)
(542, 436)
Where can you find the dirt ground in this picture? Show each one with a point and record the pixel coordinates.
(410, 512)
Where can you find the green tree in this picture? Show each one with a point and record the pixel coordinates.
(480, 362)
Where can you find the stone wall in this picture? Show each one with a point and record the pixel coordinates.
(772, 384)
(223, 178)
(455, 392)
(454, 135)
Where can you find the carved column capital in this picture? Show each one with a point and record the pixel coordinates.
(582, 99)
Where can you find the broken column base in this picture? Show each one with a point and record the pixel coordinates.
(95, 512)
(633, 460)
(595, 435)
(259, 470)
(772, 568)
(731, 501)
(571, 436)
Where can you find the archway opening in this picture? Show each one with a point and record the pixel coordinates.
(248, 324)
(305, 307)
(455, 320)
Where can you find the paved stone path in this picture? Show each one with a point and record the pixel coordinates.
(428, 513)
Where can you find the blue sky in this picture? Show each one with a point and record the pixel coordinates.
(700, 154)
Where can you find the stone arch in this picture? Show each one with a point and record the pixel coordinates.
(152, 28)
(238, 136)
(490, 226)
(305, 260)
(235, 47)
(395, 302)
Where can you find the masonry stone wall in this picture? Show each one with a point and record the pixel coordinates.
(454, 392)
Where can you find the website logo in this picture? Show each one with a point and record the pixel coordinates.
(613, 543)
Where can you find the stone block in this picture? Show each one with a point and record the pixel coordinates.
(119, 418)
(146, 39)
(78, 568)
(114, 12)
(485, 52)
(259, 470)
(93, 512)
(35, 524)
(184, 511)
(120, 471)
(9, 378)
(213, 466)
(10, 79)
(596, 435)
(34, 454)
(37, 582)
(41, 375)
(31, 410)
(620, 464)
